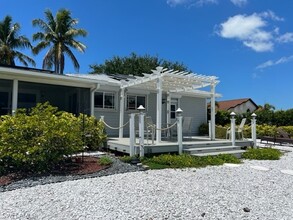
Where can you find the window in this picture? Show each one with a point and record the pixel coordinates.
(133, 102)
(173, 108)
(105, 100)
(27, 100)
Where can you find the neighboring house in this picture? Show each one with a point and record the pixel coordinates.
(237, 105)
(111, 96)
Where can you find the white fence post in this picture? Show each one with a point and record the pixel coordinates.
(253, 129)
(141, 130)
(179, 130)
(102, 118)
(210, 130)
(131, 134)
(232, 131)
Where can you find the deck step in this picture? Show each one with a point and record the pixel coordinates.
(202, 145)
(237, 153)
(211, 149)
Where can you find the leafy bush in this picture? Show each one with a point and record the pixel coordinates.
(104, 161)
(38, 141)
(262, 154)
(186, 160)
(127, 159)
(93, 131)
(221, 131)
(203, 129)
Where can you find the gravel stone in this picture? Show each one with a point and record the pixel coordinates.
(117, 167)
(218, 192)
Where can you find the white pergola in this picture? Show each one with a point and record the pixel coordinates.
(170, 81)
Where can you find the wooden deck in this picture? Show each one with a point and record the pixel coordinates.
(191, 145)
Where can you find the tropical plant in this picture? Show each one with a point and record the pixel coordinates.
(134, 64)
(10, 41)
(41, 140)
(59, 35)
(262, 154)
(105, 161)
(185, 160)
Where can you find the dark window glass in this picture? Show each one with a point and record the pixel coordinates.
(133, 102)
(104, 100)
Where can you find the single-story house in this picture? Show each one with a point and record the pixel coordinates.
(113, 96)
(243, 105)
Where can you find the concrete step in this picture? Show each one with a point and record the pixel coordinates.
(236, 153)
(211, 149)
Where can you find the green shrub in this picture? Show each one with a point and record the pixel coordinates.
(221, 131)
(105, 161)
(93, 132)
(262, 154)
(186, 160)
(203, 129)
(39, 141)
(127, 159)
(289, 130)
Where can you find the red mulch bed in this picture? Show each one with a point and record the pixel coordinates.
(78, 166)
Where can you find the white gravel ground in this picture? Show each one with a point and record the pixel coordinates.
(220, 192)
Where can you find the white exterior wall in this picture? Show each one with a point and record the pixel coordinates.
(191, 106)
(244, 107)
(195, 108)
(111, 116)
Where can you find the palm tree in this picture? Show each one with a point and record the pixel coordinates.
(10, 41)
(59, 36)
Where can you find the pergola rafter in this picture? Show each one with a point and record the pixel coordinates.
(170, 81)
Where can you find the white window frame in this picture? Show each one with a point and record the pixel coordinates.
(105, 93)
(135, 96)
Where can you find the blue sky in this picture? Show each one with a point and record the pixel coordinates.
(248, 44)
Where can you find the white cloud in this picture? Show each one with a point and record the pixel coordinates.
(205, 2)
(285, 38)
(276, 62)
(249, 29)
(176, 2)
(199, 3)
(239, 3)
(270, 14)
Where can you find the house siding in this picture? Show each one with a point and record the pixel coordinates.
(195, 108)
(191, 106)
(244, 107)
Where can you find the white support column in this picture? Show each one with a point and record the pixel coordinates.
(92, 101)
(210, 129)
(121, 117)
(179, 130)
(131, 134)
(253, 129)
(168, 119)
(141, 131)
(14, 96)
(159, 109)
(232, 131)
(92, 104)
(213, 113)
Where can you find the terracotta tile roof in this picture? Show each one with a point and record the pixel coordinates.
(226, 105)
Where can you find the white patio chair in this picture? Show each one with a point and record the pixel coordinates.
(186, 127)
(238, 130)
(149, 128)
